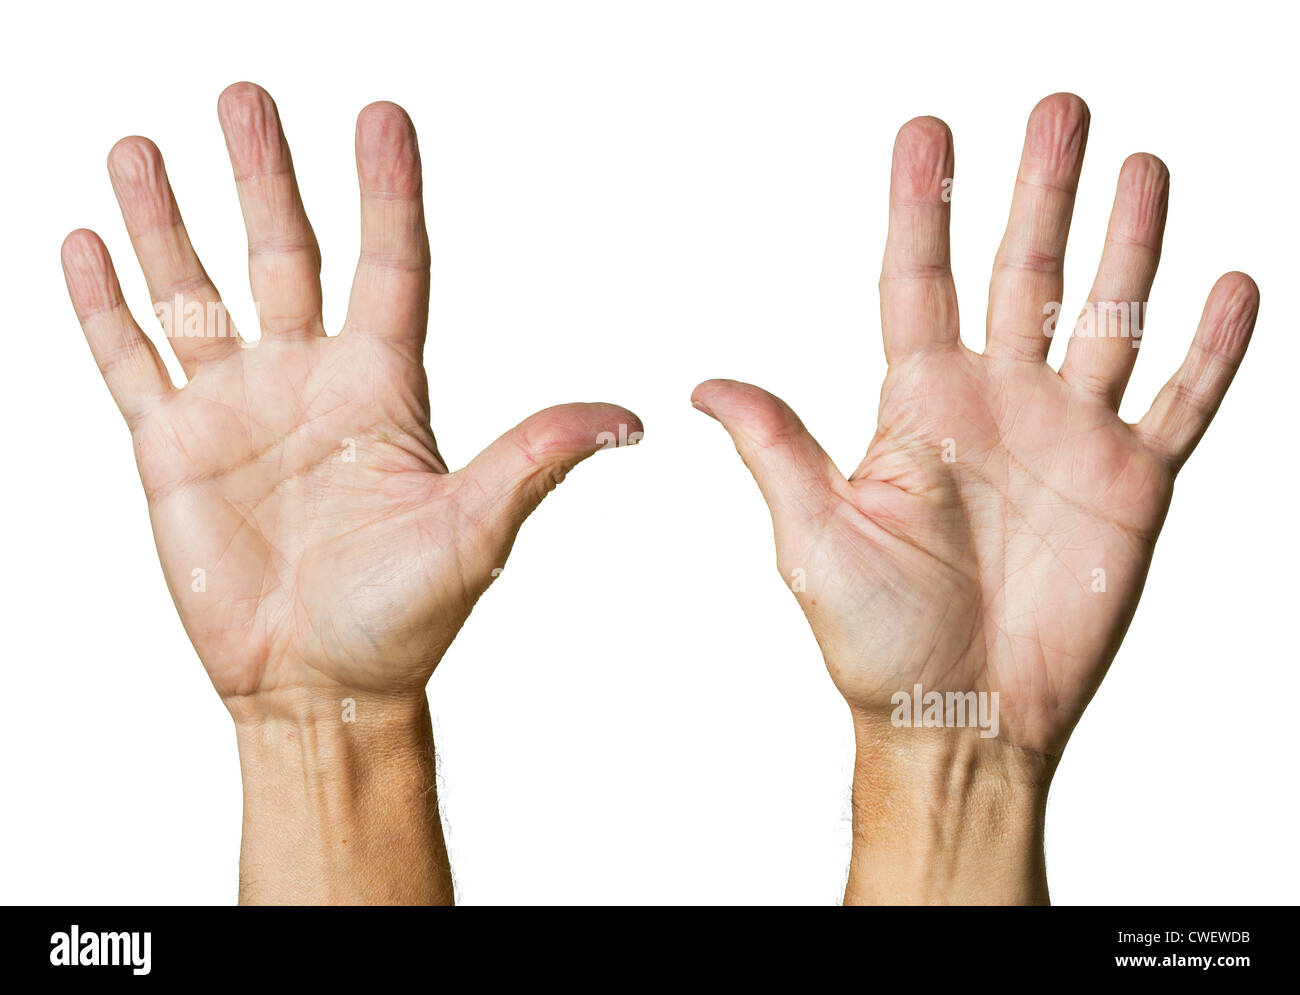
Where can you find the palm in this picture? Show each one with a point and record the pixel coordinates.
(999, 549)
(300, 479)
(997, 534)
(308, 529)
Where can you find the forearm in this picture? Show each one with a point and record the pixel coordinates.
(341, 812)
(941, 816)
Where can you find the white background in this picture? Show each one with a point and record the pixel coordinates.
(625, 199)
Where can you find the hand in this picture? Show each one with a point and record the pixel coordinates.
(997, 534)
(298, 474)
(313, 540)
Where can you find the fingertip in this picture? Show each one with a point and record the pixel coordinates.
(1144, 164)
(1143, 196)
(1230, 316)
(388, 156)
(133, 157)
(715, 394)
(706, 387)
(379, 113)
(925, 133)
(1145, 176)
(251, 123)
(615, 418)
(762, 414)
(88, 272)
(635, 424)
(79, 245)
(85, 259)
(1238, 285)
(923, 159)
(238, 96)
(567, 432)
(1057, 133)
(1064, 109)
(703, 408)
(139, 178)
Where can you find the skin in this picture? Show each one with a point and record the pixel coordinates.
(315, 544)
(961, 554)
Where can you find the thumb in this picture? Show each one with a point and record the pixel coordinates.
(792, 470)
(511, 476)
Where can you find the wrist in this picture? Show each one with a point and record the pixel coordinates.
(326, 706)
(339, 801)
(945, 816)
